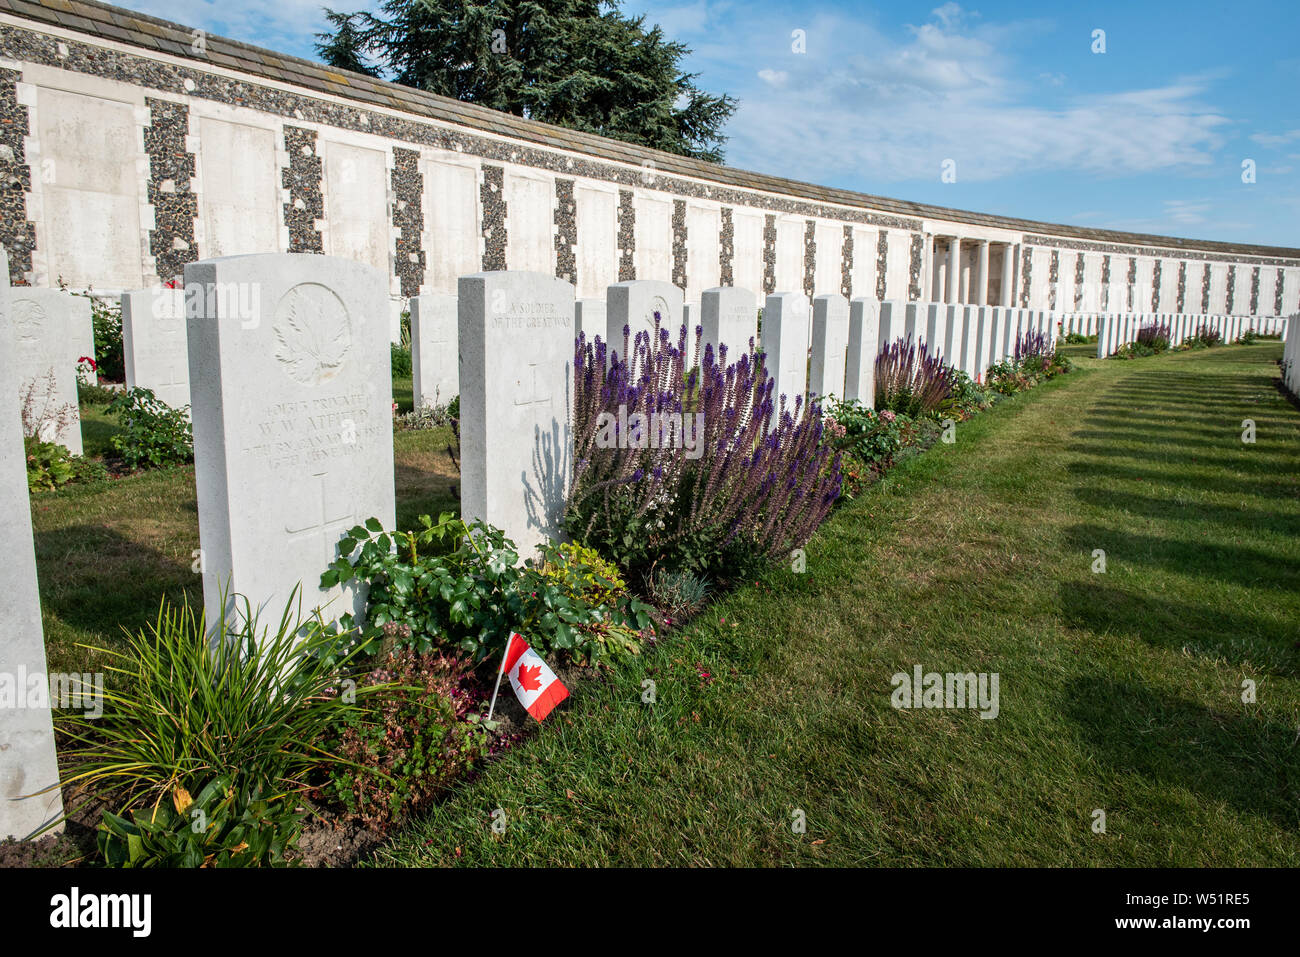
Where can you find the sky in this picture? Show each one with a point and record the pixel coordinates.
(1029, 111)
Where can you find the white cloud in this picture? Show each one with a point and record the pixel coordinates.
(864, 106)
(286, 26)
(1186, 212)
(1275, 139)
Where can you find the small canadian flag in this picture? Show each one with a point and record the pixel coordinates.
(535, 684)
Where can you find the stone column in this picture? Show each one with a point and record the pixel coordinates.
(1008, 275)
(980, 296)
(954, 269)
(939, 287)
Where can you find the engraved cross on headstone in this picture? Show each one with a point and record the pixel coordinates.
(532, 387)
(321, 510)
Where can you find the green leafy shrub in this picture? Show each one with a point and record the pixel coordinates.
(404, 747)
(220, 828)
(967, 398)
(50, 466)
(459, 586)
(1035, 359)
(401, 361)
(873, 438)
(182, 707)
(582, 573)
(585, 577)
(88, 394)
(154, 435)
(106, 316)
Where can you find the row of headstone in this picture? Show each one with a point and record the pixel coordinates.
(288, 376)
(1079, 323)
(1119, 330)
(290, 390)
(28, 762)
(967, 337)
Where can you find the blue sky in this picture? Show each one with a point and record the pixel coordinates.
(1149, 136)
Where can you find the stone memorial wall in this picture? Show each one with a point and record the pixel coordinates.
(140, 152)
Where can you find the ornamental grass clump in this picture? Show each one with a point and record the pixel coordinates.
(182, 706)
(692, 465)
(909, 380)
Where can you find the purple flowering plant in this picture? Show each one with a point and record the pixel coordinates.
(911, 381)
(684, 461)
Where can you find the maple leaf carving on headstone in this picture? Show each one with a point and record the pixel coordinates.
(313, 333)
(528, 677)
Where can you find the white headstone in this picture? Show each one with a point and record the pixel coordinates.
(914, 322)
(292, 390)
(785, 342)
(893, 314)
(435, 368)
(931, 334)
(864, 343)
(729, 316)
(949, 335)
(395, 309)
(516, 375)
(633, 304)
(967, 340)
(1011, 332)
(830, 342)
(691, 315)
(991, 340)
(27, 756)
(44, 324)
(590, 316)
(153, 344)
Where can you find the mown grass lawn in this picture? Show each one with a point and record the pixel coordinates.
(1119, 691)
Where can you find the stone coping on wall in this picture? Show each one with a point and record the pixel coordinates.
(157, 39)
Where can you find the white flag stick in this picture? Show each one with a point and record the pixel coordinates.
(500, 671)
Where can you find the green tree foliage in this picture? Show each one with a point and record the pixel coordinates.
(575, 63)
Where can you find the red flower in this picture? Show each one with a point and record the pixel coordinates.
(90, 362)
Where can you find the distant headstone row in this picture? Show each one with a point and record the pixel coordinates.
(1114, 332)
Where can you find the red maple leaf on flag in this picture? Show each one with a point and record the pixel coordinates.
(528, 677)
